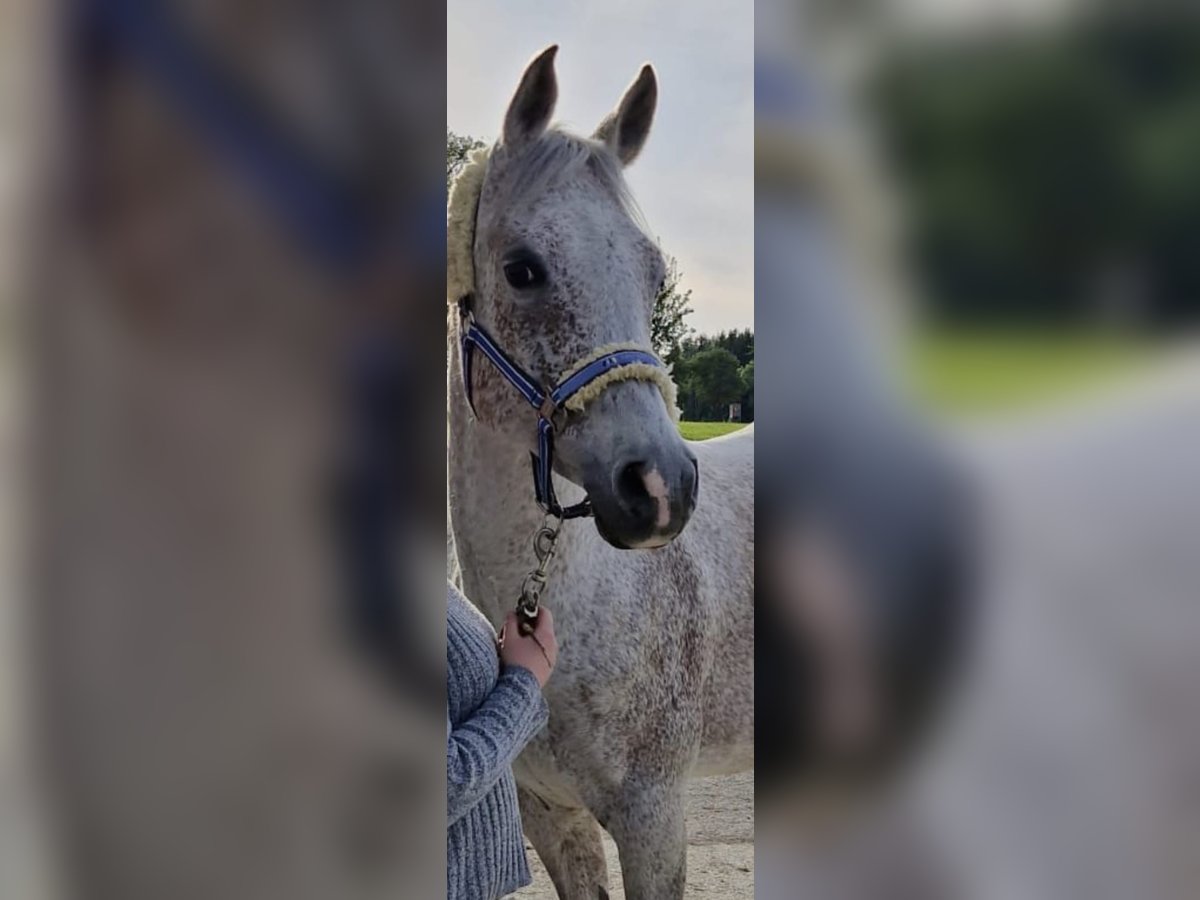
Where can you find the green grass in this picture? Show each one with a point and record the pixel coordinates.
(702, 431)
(967, 373)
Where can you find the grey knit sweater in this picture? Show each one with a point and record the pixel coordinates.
(491, 715)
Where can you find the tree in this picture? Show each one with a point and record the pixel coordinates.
(1041, 169)
(713, 381)
(739, 343)
(696, 383)
(671, 307)
(458, 151)
(746, 373)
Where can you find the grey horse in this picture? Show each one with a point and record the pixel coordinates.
(655, 677)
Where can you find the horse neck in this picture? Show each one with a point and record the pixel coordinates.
(493, 515)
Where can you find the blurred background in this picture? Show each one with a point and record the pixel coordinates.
(221, 618)
(1046, 163)
(1030, 171)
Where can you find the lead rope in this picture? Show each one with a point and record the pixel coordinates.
(545, 541)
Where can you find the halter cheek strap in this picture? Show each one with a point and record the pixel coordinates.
(580, 385)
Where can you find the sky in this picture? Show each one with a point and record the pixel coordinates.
(695, 178)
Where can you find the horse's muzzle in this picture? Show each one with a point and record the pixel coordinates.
(648, 498)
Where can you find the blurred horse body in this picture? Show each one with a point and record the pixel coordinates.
(207, 730)
(869, 553)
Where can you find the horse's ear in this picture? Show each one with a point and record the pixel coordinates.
(533, 103)
(626, 128)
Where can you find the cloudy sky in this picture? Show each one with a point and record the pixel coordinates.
(695, 178)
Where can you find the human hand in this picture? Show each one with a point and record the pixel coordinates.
(537, 652)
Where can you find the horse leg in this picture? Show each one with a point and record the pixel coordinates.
(651, 836)
(567, 839)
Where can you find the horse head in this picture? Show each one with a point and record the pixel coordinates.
(563, 271)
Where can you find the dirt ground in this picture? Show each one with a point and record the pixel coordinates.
(720, 821)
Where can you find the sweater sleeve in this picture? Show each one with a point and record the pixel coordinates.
(483, 747)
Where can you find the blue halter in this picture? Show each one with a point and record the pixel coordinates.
(546, 401)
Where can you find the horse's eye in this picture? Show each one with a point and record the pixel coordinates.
(525, 273)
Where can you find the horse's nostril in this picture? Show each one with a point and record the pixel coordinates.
(694, 493)
(631, 482)
(644, 495)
